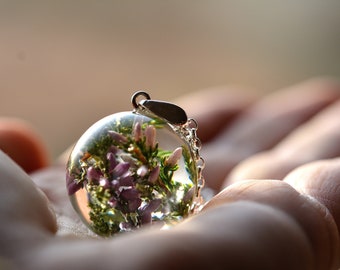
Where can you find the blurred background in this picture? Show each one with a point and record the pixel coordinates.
(66, 64)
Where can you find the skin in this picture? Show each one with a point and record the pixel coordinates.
(262, 223)
(263, 124)
(18, 139)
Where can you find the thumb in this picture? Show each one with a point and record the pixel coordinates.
(24, 212)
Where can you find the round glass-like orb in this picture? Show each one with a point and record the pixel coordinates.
(129, 170)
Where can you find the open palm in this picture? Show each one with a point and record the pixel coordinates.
(251, 224)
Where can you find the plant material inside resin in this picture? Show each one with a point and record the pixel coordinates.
(128, 171)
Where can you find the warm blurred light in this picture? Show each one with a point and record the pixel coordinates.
(67, 63)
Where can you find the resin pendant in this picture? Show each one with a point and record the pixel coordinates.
(132, 169)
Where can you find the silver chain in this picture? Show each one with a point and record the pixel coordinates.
(189, 132)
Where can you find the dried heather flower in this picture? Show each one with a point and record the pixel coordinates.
(137, 132)
(150, 135)
(189, 195)
(152, 205)
(148, 209)
(119, 138)
(174, 157)
(93, 175)
(113, 149)
(129, 194)
(72, 185)
(115, 184)
(112, 161)
(154, 174)
(142, 170)
(120, 170)
(134, 204)
(132, 197)
(126, 181)
(104, 182)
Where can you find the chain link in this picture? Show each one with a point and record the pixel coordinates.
(189, 132)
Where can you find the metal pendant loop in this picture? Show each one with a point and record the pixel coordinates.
(136, 95)
(172, 113)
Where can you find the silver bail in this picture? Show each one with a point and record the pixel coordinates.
(170, 112)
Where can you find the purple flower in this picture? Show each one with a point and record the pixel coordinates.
(154, 174)
(174, 157)
(93, 175)
(127, 158)
(112, 161)
(126, 181)
(113, 149)
(137, 132)
(104, 182)
(72, 185)
(189, 195)
(142, 170)
(129, 194)
(115, 184)
(119, 138)
(150, 137)
(132, 197)
(134, 204)
(152, 205)
(120, 170)
(146, 216)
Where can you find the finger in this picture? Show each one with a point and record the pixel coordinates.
(24, 212)
(264, 124)
(19, 140)
(316, 139)
(320, 179)
(240, 235)
(313, 217)
(215, 108)
(293, 227)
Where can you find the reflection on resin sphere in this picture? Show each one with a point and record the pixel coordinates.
(129, 170)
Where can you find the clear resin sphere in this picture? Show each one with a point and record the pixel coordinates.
(129, 170)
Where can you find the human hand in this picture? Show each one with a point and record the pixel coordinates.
(267, 224)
